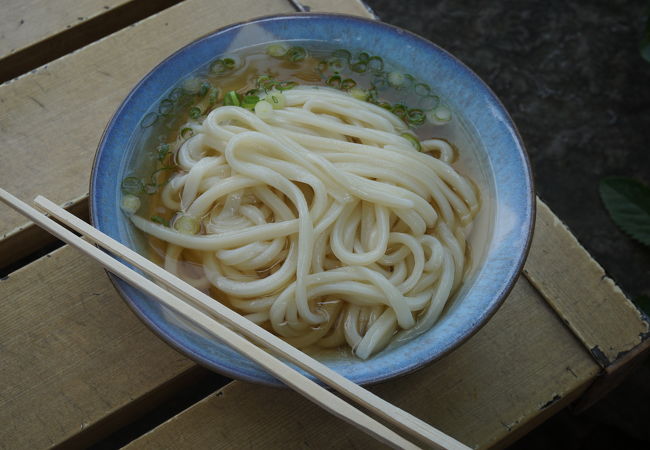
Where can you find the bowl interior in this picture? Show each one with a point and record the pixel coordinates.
(491, 154)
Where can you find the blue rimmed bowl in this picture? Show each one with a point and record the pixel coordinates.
(496, 161)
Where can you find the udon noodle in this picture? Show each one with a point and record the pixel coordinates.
(320, 220)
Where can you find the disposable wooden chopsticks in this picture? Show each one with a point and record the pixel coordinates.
(202, 310)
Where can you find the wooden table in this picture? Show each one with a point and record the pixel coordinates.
(76, 364)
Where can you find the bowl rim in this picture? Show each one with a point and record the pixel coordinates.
(232, 372)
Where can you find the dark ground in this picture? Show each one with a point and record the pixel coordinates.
(570, 74)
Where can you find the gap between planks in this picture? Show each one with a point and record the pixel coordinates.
(68, 33)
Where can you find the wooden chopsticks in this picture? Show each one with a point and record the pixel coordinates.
(221, 321)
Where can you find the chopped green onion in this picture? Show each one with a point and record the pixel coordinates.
(296, 54)
(415, 117)
(160, 220)
(213, 96)
(130, 204)
(359, 93)
(187, 224)
(400, 110)
(336, 64)
(187, 133)
(149, 120)
(372, 94)
(221, 66)
(348, 84)
(154, 184)
(176, 93)
(195, 112)
(440, 115)
(163, 149)
(396, 79)
(265, 82)
(229, 63)
(132, 185)
(276, 50)
(205, 87)
(264, 110)
(249, 101)
(286, 85)
(192, 85)
(231, 99)
(375, 64)
(166, 106)
(334, 81)
(276, 99)
(413, 140)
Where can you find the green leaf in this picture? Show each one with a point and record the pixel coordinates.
(628, 202)
(643, 302)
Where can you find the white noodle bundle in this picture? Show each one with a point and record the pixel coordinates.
(321, 221)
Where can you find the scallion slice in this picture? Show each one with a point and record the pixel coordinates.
(195, 112)
(187, 133)
(276, 99)
(396, 79)
(348, 84)
(231, 99)
(187, 224)
(130, 204)
(359, 93)
(439, 115)
(263, 110)
(296, 54)
(132, 185)
(160, 220)
(276, 50)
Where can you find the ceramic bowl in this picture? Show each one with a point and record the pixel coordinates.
(497, 163)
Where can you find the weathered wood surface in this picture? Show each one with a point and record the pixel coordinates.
(78, 372)
(523, 361)
(26, 22)
(578, 289)
(34, 32)
(72, 352)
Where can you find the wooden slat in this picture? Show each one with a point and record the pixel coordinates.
(482, 393)
(72, 352)
(33, 32)
(29, 239)
(27, 22)
(51, 120)
(584, 297)
(353, 7)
